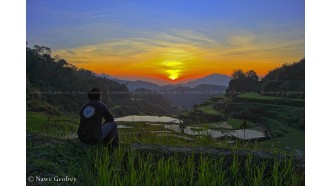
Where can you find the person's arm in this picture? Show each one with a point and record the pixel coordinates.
(107, 114)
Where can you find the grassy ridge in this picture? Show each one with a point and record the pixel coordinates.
(94, 166)
(236, 123)
(50, 152)
(282, 117)
(271, 100)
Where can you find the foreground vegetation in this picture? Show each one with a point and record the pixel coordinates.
(53, 150)
(125, 166)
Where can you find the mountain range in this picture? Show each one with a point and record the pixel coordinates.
(184, 95)
(212, 79)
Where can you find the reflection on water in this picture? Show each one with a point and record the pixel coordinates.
(247, 134)
(123, 126)
(160, 119)
(241, 133)
(189, 130)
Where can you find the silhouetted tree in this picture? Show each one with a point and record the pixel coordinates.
(238, 74)
(242, 82)
(252, 75)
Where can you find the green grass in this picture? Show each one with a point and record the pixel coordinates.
(217, 98)
(259, 96)
(208, 109)
(48, 154)
(185, 113)
(293, 139)
(93, 165)
(46, 124)
(41, 106)
(141, 132)
(147, 134)
(256, 96)
(142, 169)
(283, 136)
(142, 125)
(168, 139)
(34, 121)
(197, 128)
(236, 123)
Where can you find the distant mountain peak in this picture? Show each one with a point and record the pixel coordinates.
(212, 79)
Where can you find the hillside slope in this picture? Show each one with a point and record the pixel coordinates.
(284, 119)
(286, 81)
(54, 83)
(212, 79)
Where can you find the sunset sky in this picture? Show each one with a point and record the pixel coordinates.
(170, 41)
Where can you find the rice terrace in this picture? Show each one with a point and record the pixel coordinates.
(165, 92)
(155, 152)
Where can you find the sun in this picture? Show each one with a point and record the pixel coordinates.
(173, 77)
(173, 74)
(173, 69)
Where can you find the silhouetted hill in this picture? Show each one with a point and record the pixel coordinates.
(106, 76)
(178, 94)
(206, 87)
(149, 101)
(187, 97)
(169, 87)
(54, 85)
(294, 71)
(212, 79)
(56, 82)
(286, 81)
(133, 85)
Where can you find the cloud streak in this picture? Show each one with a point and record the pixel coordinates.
(190, 53)
(169, 40)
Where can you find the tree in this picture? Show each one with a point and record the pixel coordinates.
(42, 50)
(238, 74)
(252, 75)
(64, 86)
(243, 82)
(62, 62)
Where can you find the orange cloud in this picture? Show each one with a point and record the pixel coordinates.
(183, 54)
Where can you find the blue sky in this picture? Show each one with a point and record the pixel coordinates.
(272, 30)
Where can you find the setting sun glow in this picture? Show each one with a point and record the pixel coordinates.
(173, 74)
(173, 69)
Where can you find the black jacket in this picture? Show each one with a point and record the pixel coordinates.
(91, 114)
